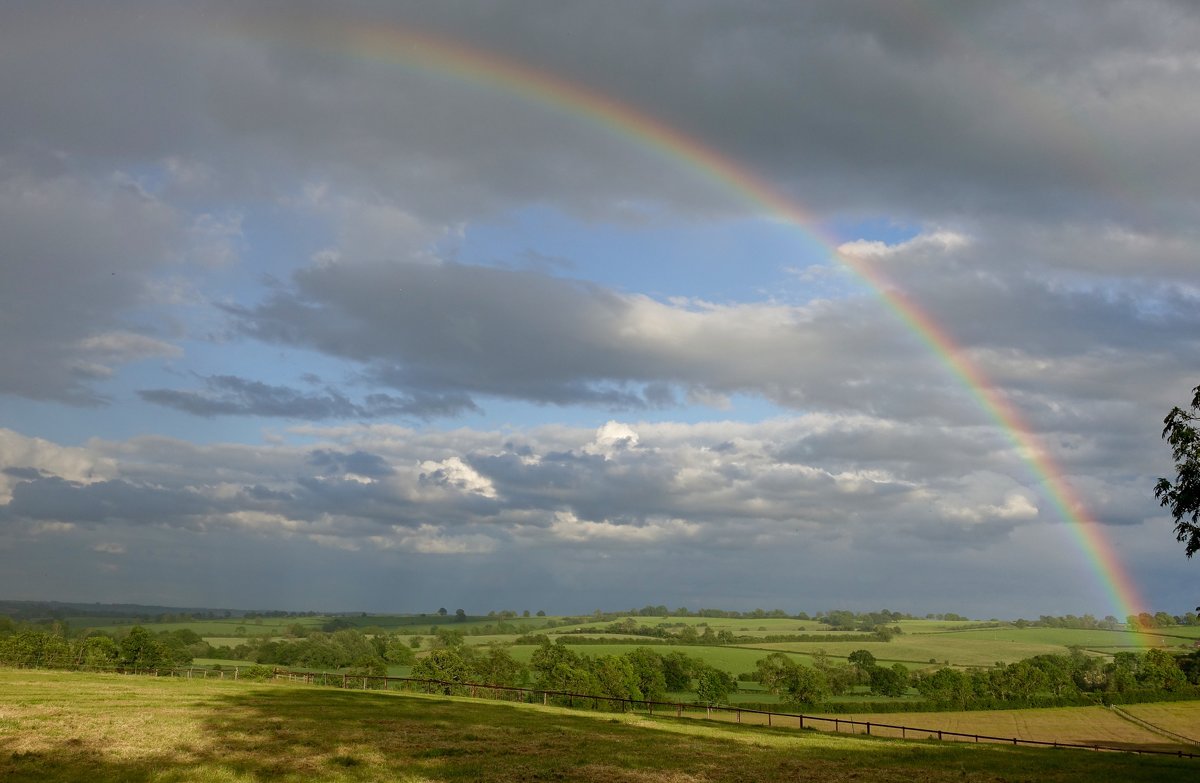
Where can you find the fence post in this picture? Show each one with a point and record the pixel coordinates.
(768, 720)
(801, 721)
(679, 710)
(345, 680)
(545, 699)
(868, 728)
(739, 716)
(939, 735)
(837, 724)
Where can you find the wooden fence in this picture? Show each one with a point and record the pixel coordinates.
(680, 710)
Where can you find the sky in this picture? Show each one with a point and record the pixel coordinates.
(388, 306)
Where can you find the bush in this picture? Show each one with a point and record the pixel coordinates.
(257, 673)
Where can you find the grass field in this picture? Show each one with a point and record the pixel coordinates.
(1181, 717)
(957, 650)
(256, 627)
(1072, 637)
(1082, 725)
(57, 726)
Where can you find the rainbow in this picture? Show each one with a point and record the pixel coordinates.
(394, 43)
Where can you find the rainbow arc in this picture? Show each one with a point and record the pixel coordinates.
(418, 49)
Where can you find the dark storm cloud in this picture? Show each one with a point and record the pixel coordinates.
(358, 462)
(75, 256)
(227, 395)
(442, 329)
(445, 329)
(24, 473)
(56, 499)
(897, 108)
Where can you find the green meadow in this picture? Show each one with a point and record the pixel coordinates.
(59, 726)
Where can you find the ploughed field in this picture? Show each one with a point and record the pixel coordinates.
(101, 727)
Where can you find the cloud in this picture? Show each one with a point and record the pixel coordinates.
(224, 222)
(75, 257)
(227, 395)
(712, 495)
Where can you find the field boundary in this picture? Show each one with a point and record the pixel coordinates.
(1145, 724)
(803, 721)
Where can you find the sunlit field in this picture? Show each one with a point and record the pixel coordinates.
(1077, 725)
(57, 726)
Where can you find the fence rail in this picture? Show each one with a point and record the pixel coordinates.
(680, 709)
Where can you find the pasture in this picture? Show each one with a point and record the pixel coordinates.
(58, 726)
(920, 651)
(1093, 639)
(1081, 725)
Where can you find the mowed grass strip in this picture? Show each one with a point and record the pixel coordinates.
(1075, 725)
(66, 726)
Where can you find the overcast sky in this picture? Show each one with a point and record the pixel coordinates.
(293, 322)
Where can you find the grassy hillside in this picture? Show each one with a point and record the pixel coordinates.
(58, 726)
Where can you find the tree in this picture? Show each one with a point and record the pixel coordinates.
(947, 687)
(774, 672)
(714, 686)
(648, 669)
(889, 682)
(140, 650)
(863, 659)
(446, 665)
(460, 616)
(497, 667)
(677, 671)
(442, 612)
(806, 686)
(1183, 497)
(616, 678)
(398, 652)
(100, 651)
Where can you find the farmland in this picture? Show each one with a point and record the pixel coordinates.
(1079, 725)
(72, 726)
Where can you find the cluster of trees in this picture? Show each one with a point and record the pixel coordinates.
(1161, 620)
(1059, 677)
(365, 653)
(641, 674)
(802, 685)
(138, 649)
(1042, 679)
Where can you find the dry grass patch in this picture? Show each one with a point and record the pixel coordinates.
(1075, 725)
(1180, 717)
